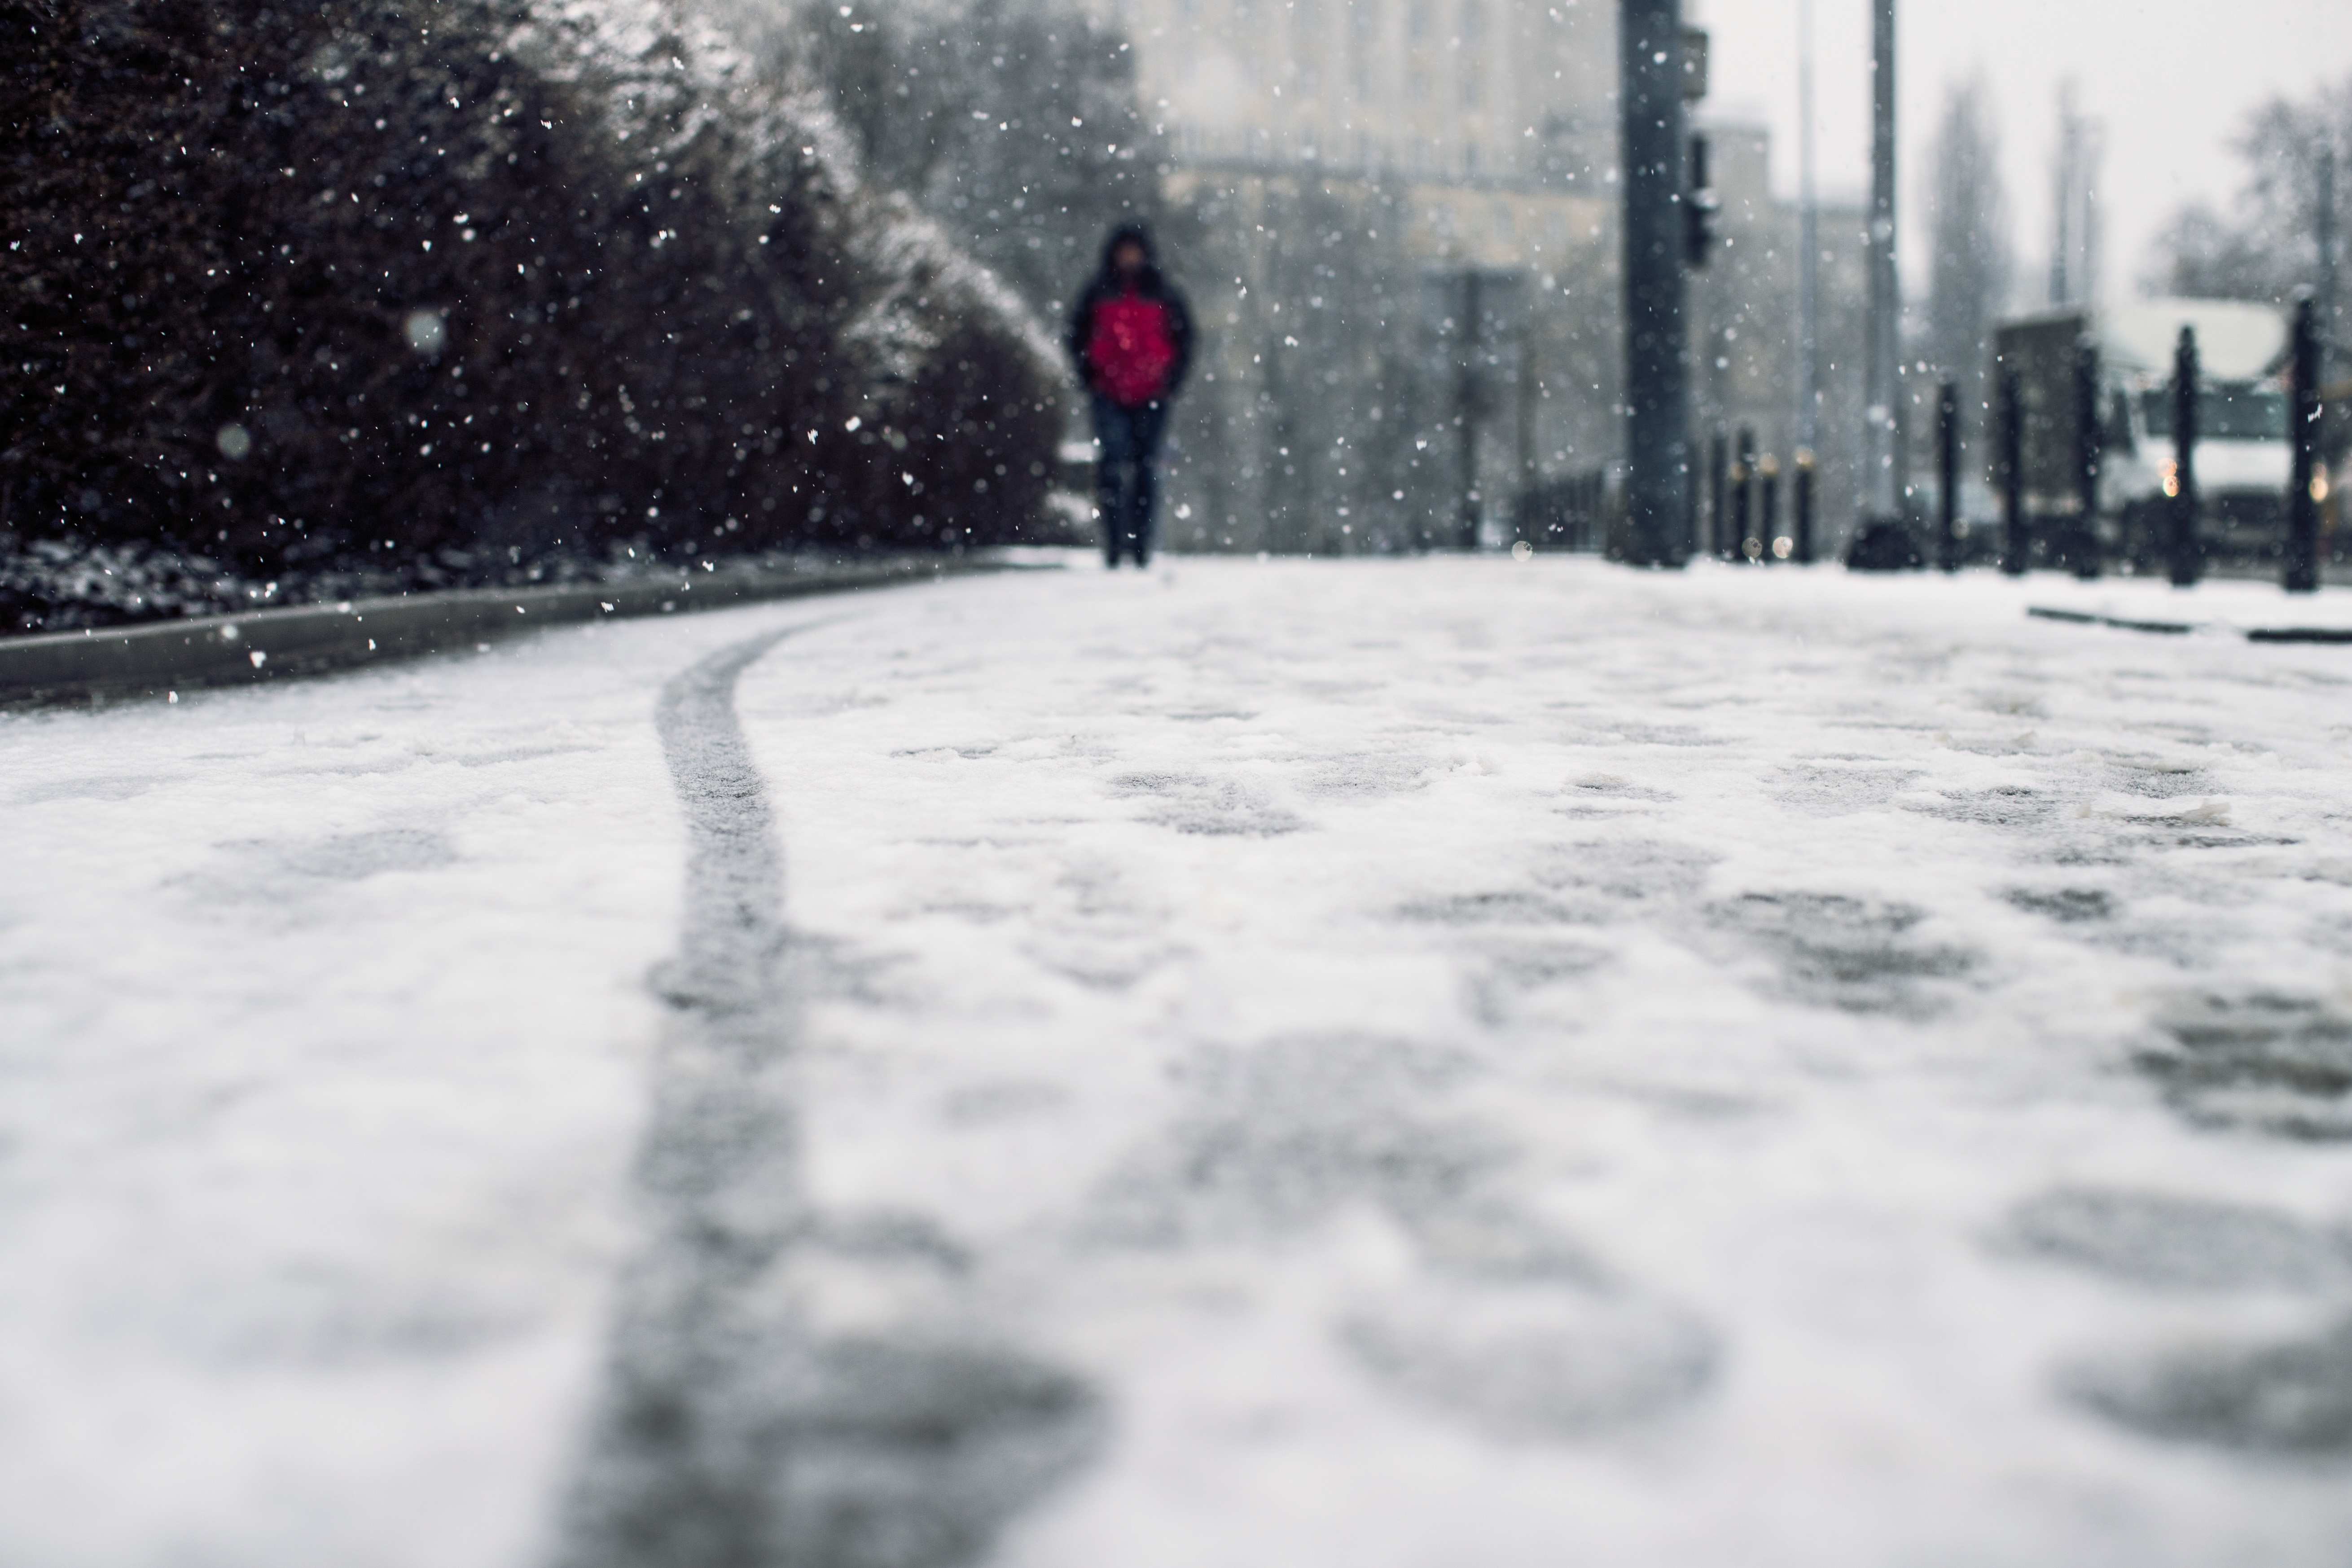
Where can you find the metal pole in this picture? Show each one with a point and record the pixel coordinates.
(1809, 242)
(2086, 548)
(1718, 481)
(2062, 248)
(1469, 410)
(2015, 545)
(2303, 408)
(2188, 558)
(1658, 374)
(1743, 494)
(1948, 469)
(1884, 500)
(1768, 529)
(1526, 395)
(2328, 327)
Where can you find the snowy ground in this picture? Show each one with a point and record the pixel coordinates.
(1383, 1064)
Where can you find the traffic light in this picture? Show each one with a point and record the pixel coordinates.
(1699, 207)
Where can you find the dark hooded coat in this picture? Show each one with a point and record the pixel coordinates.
(1152, 284)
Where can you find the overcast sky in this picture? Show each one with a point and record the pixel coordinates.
(2173, 81)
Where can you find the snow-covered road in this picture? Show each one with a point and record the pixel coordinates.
(1387, 1063)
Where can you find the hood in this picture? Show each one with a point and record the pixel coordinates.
(1137, 233)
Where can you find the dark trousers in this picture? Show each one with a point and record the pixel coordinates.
(1125, 488)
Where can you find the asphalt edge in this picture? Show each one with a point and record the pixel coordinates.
(2181, 629)
(161, 660)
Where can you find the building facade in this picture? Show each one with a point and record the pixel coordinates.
(1399, 220)
(1515, 92)
(1744, 327)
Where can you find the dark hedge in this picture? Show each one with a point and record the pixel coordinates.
(382, 279)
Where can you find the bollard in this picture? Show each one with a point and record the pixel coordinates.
(2085, 547)
(1718, 481)
(1803, 484)
(1948, 450)
(2185, 551)
(1743, 472)
(2015, 546)
(1469, 404)
(1768, 529)
(2304, 486)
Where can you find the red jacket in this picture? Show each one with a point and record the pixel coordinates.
(1130, 348)
(1132, 339)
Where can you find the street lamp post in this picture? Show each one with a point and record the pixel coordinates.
(1808, 243)
(1880, 487)
(1656, 239)
(2326, 239)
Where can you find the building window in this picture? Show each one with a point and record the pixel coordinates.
(1417, 29)
(1364, 39)
(1471, 44)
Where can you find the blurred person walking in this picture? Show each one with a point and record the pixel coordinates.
(1131, 337)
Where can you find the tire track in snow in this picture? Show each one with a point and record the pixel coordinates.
(739, 1423)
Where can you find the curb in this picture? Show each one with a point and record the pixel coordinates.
(2182, 628)
(2084, 618)
(2300, 634)
(164, 659)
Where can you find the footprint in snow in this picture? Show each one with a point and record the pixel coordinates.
(1195, 802)
(1505, 1323)
(2170, 1242)
(1859, 955)
(2288, 1396)
(2256, 1061)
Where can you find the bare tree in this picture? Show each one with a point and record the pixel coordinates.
(2263, 248)
(1016, 125)
(1969, 211)
(2077, 226)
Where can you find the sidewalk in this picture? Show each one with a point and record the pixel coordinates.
(1505, 1064)
(1465, 1062)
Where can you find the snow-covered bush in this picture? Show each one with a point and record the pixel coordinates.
(386, 278)
(1017, 125)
